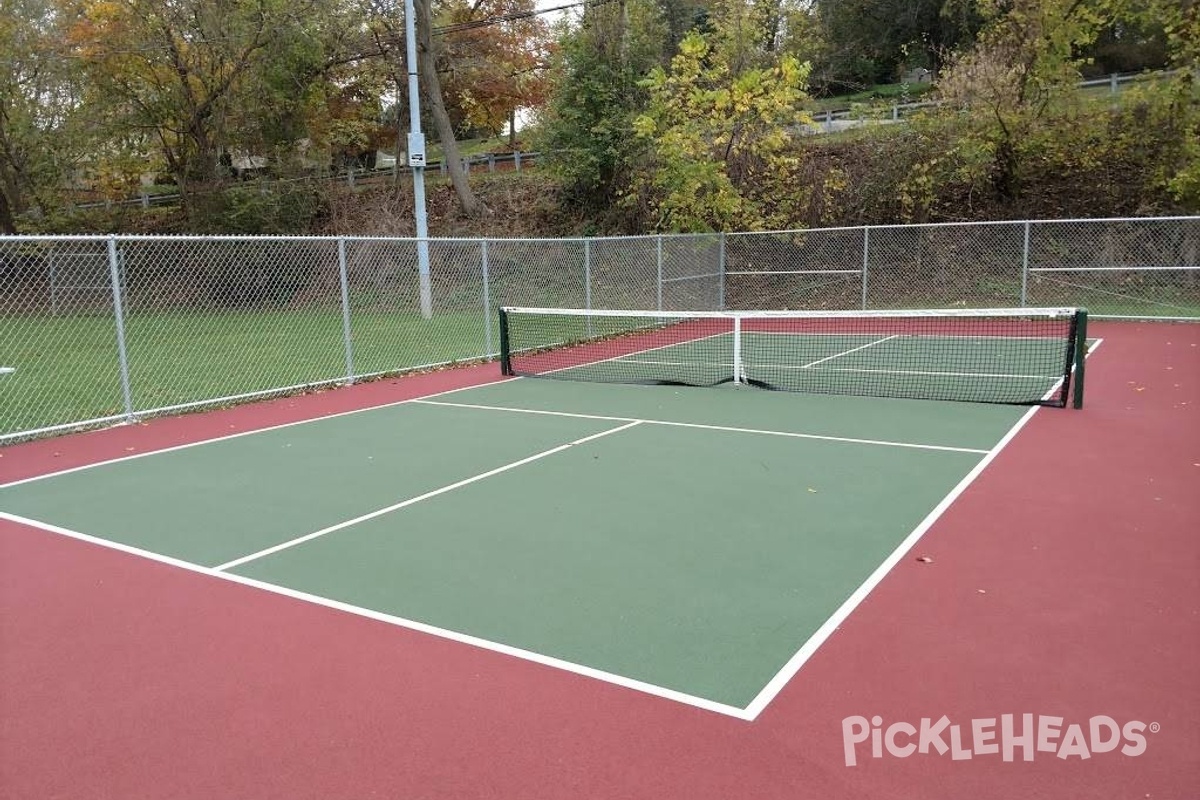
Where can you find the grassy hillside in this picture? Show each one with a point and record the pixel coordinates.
(1097, 162)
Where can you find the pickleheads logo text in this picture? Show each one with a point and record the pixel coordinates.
(1010, 737)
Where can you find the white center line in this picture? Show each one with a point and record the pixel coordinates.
(848, 352)
(413, 500)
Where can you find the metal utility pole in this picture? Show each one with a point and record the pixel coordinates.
(416, 158)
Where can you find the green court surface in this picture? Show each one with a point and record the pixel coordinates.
(678, 540)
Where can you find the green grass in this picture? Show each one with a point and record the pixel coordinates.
(67, 367)
(882, 93)
(472, 147)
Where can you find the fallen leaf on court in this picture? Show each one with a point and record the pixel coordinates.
(814, 491)
(981, 591)
(925, 559)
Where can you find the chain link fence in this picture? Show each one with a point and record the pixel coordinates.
(95, 330)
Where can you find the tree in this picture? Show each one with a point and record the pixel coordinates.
(427, 58)
(871, 41)
(494, 58)
(41, 138)
(387, 25)
(596, 94)
(1174, 106)
(166, 72)
(191, 78)
(1023, 68)
(720, 135)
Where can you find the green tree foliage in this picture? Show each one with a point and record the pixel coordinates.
(42, 132)
(1013, 111)
(1022, 71)
(1176, 104)
(587, 129)
(193, 79)
(872, 41)
(719, 138)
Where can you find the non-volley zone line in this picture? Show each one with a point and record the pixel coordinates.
(806, 367)
(702, 426)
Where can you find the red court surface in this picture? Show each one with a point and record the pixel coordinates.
(1064, 582)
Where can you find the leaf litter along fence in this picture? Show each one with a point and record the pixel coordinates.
(95, 329)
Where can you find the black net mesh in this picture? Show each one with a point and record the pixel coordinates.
(999, 356)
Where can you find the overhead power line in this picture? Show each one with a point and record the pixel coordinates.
(458, 27)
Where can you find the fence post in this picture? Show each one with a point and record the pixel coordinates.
(659, 242)
(895, 112)
(1025, 268)
(114, 272)
(487, 298)
(53, 283)
(350, 176)
(865, 260)
(491, 162)
(1113, 83)
(721, 270)
(346, 335)
(587, 280)
(517, 160)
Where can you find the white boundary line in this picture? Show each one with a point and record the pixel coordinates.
(701, 426)
(749, 714)
(237, 562)
(240, 434)
(433, 630)
(806, 651)
(848, 352)
(945, 374)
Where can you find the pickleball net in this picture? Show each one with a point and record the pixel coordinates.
(1018, 356)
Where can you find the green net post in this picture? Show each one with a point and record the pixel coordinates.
(505, 360)
(1080, 355)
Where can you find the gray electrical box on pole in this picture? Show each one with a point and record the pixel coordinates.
(416, 149)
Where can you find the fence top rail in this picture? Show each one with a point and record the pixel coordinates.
(969, 224)
(140, 237)
(1122, 268)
